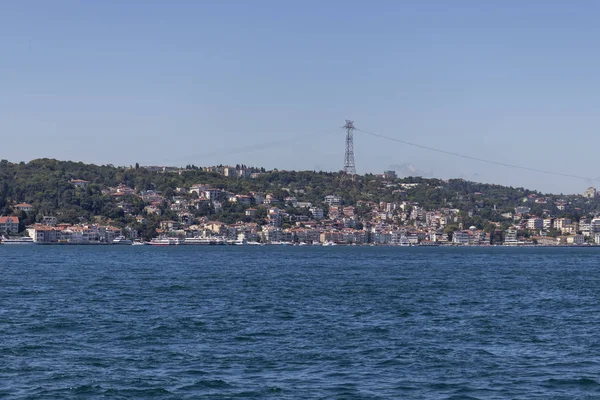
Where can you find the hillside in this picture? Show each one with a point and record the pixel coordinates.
(46, 184)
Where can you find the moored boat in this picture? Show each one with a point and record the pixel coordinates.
(122, 240)
(165, 241)
(199, 241)
(21, 240)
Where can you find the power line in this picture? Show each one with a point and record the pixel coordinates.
(476, 158)
(244, 149)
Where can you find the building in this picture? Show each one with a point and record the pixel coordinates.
(575, 240)
(334, 212)
(561, 223)
(212, 194)
(333, 200)
(274, 217)
(510, 238)
(43, 234)
(590, 193)
(522, 210)
(389, 174)
(23, 207)
(595, 225)
(242, 199)
(317, 212)
(49, 221)
(461, 237)
(9, 225)
(80, 183)
(535, 223)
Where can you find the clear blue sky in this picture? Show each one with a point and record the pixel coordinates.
(176, 82)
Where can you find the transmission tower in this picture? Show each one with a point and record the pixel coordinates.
(349, 167)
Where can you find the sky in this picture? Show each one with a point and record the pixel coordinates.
(270, 84)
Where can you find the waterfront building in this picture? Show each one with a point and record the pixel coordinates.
(510, 238)
(575, 239)
(461, 237)
(9, 225)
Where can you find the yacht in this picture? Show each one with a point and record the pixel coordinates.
(21, 240)
(122, 240)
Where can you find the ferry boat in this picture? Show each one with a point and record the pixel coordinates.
(21, 240)
(122, 240)
(199, 241)
(166, 241)
(203, 241)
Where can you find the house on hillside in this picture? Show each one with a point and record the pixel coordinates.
(23, 207)
(9, 225)
(80, 183)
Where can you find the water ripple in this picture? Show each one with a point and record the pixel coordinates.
(288, 323)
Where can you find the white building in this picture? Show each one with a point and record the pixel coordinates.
(595, 225)
(333, 200)
(461, 237)
(510, 238)
(535, 223)
(212, 194)
(23, 207)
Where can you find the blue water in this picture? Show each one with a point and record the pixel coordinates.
(297, 322)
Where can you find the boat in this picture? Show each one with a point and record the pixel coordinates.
(21, 240)
(138, 243)
(199, 241)
(166, 241)
(122, 240)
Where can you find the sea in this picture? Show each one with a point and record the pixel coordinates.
(285, 322)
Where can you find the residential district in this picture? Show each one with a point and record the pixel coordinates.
(287, 219)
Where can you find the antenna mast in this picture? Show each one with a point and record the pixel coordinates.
(349, 167)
